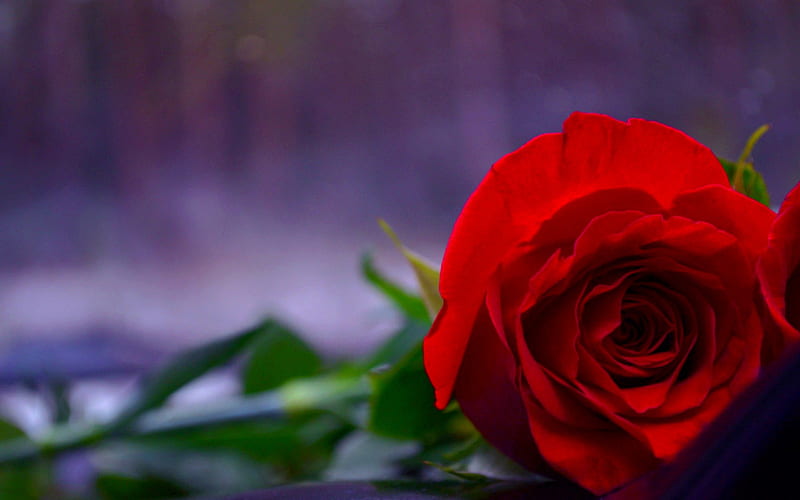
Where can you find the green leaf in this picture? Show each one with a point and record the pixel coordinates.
(465, 448)
(212, 472)
(481, 462)
(295, 445)
(324, 392)
(398, 345)
(114, 486)
(489, 462)
(426, 273)
(185, 368)
(402, 402)
(461, 474)
(9, 431)
(19, 481)
(409, 304)
(278, 355)
(362, 456)
(15, 446)
(743, 177)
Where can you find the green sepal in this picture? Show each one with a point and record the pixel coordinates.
(406, 302)
(426, 273)
(743, 177)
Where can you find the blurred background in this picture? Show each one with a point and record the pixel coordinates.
(173, 170)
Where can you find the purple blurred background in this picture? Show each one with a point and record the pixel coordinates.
(172, 170)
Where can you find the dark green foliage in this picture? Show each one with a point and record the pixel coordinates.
(398, 345)
(114, 486)
(402, 401)
(278, 356)
(751, 183)
(409, 304)
(184, 368)
(297, 419)
(22, 480)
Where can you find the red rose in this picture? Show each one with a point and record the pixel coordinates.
(599, 300)
(779, 273)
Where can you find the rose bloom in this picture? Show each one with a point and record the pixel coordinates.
(779, 273)
(599, 300)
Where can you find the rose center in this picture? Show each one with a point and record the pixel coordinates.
(647, 339)
(640, 333)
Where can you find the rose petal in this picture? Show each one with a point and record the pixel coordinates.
(481, 392)
(779, 277)
(567, 223)
(582, 454)
(552, 336)
(553, 392)
(667, 436)
(599, 310)
(511, 284)
(730, 211)
(600, 242)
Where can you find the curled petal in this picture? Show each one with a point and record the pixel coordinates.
(779, 277)
(482, 392)
(582, 454)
